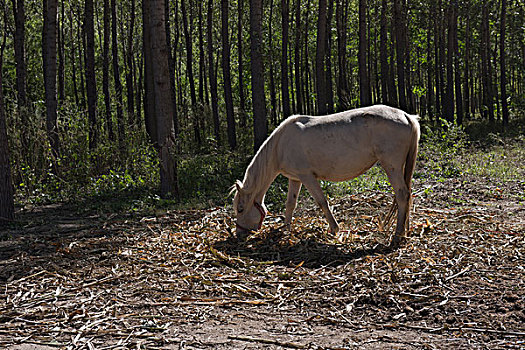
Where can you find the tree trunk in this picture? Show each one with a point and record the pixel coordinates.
(466, 86)
(260, 128)
(342, 77)
(364, 79)
(320, 74)
(91, 85)
(213, 76)
(116, 76)
(159, 109)
(448, 105)
(430, 73)
(129, 67)
(503, 68)
(202, 66)
(21, 68)
(399, 29)
(189, 71)
(49, 52)
(105, 72)
(242, 98)
(60, 43)
(488, 108)
(73, 58)
(171, 63)
(309, 108)
(408, 62)
(328, 56)
(457, 66)
(383, 57)
(273, 97)
(284, 58)
(228, 98)
(7, 207)
(438, 53)
(392, 89)
(299, 108)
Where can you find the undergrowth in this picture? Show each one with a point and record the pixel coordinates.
(126, 178)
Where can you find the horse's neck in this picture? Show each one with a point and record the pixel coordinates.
(260, 176)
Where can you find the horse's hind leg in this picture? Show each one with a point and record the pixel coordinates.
(397, 180)
(294, 187)
(312, 185)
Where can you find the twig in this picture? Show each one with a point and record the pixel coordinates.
(28, 277)
(460, 329)
(267, 341)
(457, 274)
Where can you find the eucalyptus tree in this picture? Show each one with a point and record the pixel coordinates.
(7, 208)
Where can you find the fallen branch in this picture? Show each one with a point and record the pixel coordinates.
(460, 329)
(267, 341)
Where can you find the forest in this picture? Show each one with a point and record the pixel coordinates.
(74, 101)
(124, 125)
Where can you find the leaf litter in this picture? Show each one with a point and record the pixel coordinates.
(182, 279)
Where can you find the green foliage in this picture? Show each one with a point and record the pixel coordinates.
(440, 150)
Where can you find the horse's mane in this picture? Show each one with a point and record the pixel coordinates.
(258, 168)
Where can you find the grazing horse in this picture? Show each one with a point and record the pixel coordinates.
(335, 147)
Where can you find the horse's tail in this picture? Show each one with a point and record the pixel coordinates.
(410, 162)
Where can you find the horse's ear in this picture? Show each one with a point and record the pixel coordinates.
(238, 186)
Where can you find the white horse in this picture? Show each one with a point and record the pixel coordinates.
(335, 147)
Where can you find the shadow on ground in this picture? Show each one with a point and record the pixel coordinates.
(63, 236)
(310, 252)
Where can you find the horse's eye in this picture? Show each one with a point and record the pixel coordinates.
(240, 210)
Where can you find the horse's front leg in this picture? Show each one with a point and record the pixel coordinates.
(312, 185)
(294, 187)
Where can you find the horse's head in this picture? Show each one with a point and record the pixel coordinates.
(249, 214)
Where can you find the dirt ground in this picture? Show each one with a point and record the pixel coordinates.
(181, 280)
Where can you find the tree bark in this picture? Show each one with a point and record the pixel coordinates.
(260, 128)
(116, 76)
(364, 79)
(21, 68)
(242, 98)
(7, 207)
(488, 108)
(328, 62)
(320, 74)
(61, 63)
(503, 67)
(285, 4)
(466, 84)
(342, 77)
(273, 94)
(228, 97)
(383, 57)
(457, 66)
(399, 29)
(430, 74)
(213, 76)
(189, 71)
(49, 52)
(448, 105)
(202, 66)
(91, 85)
(105, 72)
(158, 90)
(129, 67)
(299, 108)
(171, 63)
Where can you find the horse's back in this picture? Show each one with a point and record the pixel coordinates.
(344, 144)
